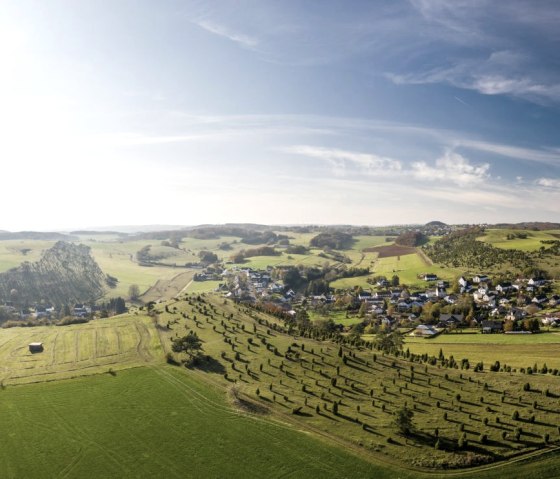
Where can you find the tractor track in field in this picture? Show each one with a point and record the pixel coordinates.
(54, 349)
(196, 398)
(77, 348)
(95, 354)
(142, 345)
(72, 464)
(83, 437)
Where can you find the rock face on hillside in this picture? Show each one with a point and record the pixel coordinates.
(67, 273)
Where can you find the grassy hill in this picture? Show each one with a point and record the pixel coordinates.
(158, 420)
(304, 377)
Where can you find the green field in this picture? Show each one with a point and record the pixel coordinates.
(498, 239)
(519, 351)
(15, 252)
(406, 267)
(164, 423)
(150, 423)
(339, 317)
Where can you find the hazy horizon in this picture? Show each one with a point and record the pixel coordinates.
(364, 113)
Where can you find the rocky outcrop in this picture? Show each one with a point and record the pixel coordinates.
(67, 273)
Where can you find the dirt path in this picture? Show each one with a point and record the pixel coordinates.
(424, 257)
(168, 288)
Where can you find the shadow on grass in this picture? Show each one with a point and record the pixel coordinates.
(207, 364)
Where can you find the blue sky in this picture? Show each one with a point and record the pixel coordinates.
(374, 112)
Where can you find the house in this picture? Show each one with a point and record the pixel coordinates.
(451, 299)
(504, 287)
(481, 278)
(489, 327)
(41, 312)
(430, 277)
(516, 314)
(536, 282)
(449, 319)
(489, 300)
(431, 293)
(36, 347)
(424, 331)
(540, 299)
(364, 296)
(382, 294)
(81, 310)
(463, 282)
(403, 306)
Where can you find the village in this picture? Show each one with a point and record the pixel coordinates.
(519, 307)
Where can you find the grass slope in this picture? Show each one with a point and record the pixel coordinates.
(153, 423)
(77, 350)
(291, 375)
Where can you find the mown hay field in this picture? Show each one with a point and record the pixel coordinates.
(76, 350)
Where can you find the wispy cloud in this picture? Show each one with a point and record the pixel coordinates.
(339, 159)
(486, 77)
(223, 31)
(549, 157)
(487, 41)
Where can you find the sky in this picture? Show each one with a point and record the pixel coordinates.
(293, 112)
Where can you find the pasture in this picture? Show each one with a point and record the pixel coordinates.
(518, 351)
(498, 238)
(15, 252)
(409, 266)
(76, 350)
(153, 423)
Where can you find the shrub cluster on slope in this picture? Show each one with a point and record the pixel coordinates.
(461, 249)
(411, 238)
(334, 240)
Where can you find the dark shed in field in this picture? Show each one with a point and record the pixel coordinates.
(36, 347)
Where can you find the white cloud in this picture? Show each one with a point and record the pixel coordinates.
(222, 31)
(549, 182)
(452, 167)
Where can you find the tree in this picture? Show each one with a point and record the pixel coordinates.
(389, 341)
(363, 309)
(395, 281)
(190, 344)
(403, 420)
(133, 292)
(207, 257)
